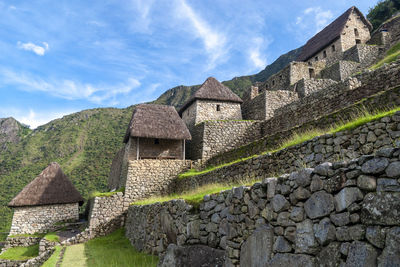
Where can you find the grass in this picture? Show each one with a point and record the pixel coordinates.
(391, 55)
(193, 197)
(116, 250)
(20, 253)
(297, 138)
(74, 256)
(106, 194)
(27, 235)
(52, 236)
(52, 261)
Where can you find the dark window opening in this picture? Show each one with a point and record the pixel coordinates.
(316, 58)
(333, 48)
(280, 77)
(156, 141)
(356, 33)
(218, 107)
(259, 90)
(324, 54)
(273, 82)
(311, 72)
(358, 41)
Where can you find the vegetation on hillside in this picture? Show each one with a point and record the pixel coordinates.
(383, 11)
(83, 143)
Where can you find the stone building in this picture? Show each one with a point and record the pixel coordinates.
(346, 31)
(156, 132)
(212, 101)
(48, 199)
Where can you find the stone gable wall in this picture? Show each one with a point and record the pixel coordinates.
(116, 169)
(348, 37)
(207, 110)
(41, 219)
(346, 145)
(334, 214)
(152, 177)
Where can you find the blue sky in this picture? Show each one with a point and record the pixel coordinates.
(59, 57)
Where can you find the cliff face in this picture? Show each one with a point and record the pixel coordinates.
(11, 131)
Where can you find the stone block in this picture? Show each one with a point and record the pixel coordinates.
(381, 208)
(319, 205)
(257, 249)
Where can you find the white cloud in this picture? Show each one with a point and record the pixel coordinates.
(259, 61)
(214, 42)
(69, 89)
(37, 49)
(314, 19)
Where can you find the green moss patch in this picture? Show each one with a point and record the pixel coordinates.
(391, 55)
(20, 253)
(52, 236)
(106, 194)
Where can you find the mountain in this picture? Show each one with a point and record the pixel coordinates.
(84, 143)
(178, 95)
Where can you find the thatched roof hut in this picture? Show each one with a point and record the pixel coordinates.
(157, 121)
(329, 34)
(52, 186)
(212, 89)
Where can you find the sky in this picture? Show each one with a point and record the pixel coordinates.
(60, 57)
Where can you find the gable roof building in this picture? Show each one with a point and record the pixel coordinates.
(350, 28)
(51, 186)
(212, 89)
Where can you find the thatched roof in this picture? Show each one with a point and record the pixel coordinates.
(52, 186)
(329, 34)
(157, 121)
(212, 89)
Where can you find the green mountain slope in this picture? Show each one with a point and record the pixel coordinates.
(84, 143)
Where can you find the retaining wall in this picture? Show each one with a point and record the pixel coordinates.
(344, 145)
(340, 214)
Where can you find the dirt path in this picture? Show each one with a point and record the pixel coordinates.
(74, 256)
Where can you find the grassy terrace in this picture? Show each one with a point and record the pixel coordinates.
(52, 261)
(391, 55)
(20, 253)
(106, 194)
(299, 138)
(116, 250)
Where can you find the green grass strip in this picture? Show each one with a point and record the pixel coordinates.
(20, 253)
(106, 194)
(297, 138)
(52, 236)
(391, 55)
(116, 250)
(52, 261)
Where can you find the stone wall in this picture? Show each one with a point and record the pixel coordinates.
(307, 87)
(205, 110)
(340, 70)
(41, 219)
(211, 138)
(106, 209)
(255, 108)
(333, 98)
(21, 241)
(348, 36)
(345, 145)
(151, 148)
(392, 27)
(364, 54)
(334, 214)
(333, 51)
(382, 101)
(152, 177)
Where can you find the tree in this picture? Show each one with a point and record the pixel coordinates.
(383, 11)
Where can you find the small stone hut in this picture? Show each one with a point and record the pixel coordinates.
(212, 101)
(48, 199)
(156, 132)
(346, 31)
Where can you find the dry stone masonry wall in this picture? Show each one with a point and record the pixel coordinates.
(40, 219)
(337, 214)
(345, 145)
(152, 177)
